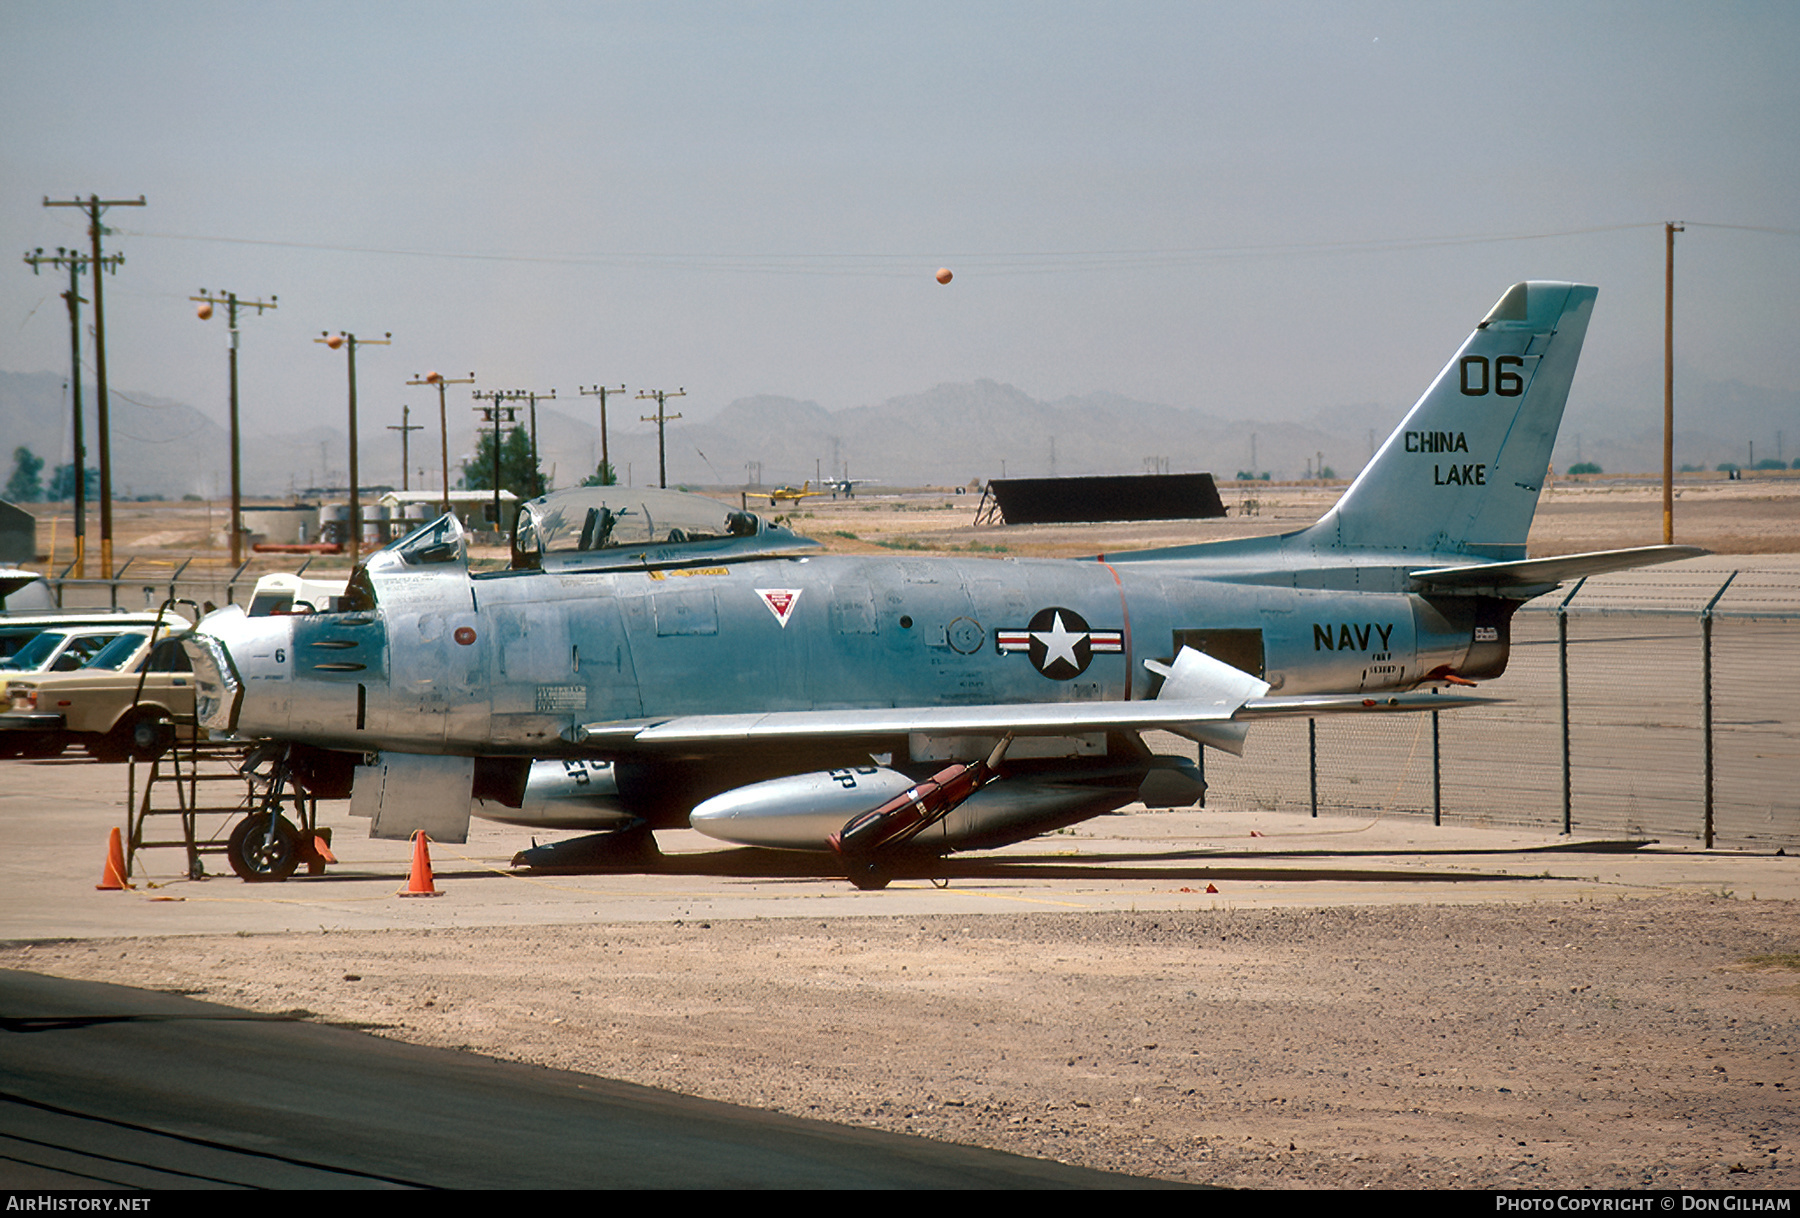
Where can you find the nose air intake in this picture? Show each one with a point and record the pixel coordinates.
(218, 690)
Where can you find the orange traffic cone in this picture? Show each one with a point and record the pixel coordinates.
(419, 884)
(113, 878)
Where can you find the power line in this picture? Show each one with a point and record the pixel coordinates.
(77, 263)
(406, 427)
(438, 379)
(232, 304)
(905, 264)
(600, 391)
(94, 205)
(661, 418)
(350, 343)
(492, 414)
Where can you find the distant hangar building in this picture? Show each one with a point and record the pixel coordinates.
(1090, 500)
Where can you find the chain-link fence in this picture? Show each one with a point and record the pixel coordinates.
(145, 583)
(1663, 703)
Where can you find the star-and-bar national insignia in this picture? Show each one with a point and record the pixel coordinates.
(780, 601)
(1059, 643)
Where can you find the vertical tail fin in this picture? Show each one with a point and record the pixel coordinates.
(1462, 473)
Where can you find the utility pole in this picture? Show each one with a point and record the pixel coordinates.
(232, 305)
(76, 262)
(94, 205)
(406, 425)
(438, 379)
(350, 341)
(491, 414)
(1669, 230)
(661, 418)
(537, 477)
(600, 391)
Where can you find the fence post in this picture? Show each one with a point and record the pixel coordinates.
(1562, 674)
(1437, 790)
(1706, 701)
(232, 583)
(1312, 761)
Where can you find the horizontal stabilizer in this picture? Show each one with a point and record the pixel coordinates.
(1538, 572)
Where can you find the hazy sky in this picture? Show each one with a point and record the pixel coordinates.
(1257, 210)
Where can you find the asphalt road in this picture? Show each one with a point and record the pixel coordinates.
(109, 1087)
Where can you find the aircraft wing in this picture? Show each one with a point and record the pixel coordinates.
(1202, 698)
(1539, 572)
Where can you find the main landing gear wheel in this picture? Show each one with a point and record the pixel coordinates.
(258, 859)
(870, 877)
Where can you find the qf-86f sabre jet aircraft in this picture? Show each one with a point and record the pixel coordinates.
(675, 662)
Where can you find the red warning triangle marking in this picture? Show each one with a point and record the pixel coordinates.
(780, 602)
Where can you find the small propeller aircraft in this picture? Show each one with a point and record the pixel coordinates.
(794, 494)
(667, 661)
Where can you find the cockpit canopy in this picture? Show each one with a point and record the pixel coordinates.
(594, 528)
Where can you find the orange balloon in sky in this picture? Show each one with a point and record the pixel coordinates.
(205, 311)
(943, 275)
(335, 341)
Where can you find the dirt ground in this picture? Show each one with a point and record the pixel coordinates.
(1628, 1044)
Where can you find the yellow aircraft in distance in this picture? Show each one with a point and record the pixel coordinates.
(792, 494)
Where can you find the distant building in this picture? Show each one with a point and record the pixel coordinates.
(471, 507)
(285, 525)
(1126, 497)
(18, 534)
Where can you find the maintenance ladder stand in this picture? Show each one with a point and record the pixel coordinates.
(175, 785)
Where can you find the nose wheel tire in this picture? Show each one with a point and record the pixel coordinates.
(258, 858)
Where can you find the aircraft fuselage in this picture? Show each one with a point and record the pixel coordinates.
(508, 663)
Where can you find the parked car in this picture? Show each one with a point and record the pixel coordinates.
(62, 642)
(123, 703)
